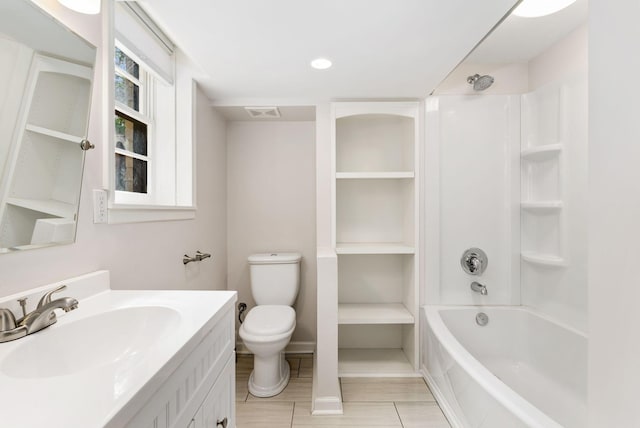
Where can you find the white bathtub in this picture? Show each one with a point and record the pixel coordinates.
(520, 370)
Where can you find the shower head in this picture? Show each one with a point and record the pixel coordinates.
(480, 83)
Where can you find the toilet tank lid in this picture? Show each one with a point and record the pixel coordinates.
(272, 258)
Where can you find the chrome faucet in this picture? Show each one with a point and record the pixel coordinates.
(479, 288)
(41, 317)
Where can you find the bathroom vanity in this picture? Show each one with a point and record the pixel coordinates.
(123, 359)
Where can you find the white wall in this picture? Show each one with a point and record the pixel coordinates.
(472, 176)
(567, 56)
(558, 79)
(272, 206)
(614, 210)
(145, 255)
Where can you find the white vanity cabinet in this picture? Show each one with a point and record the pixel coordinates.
(218, 408)
(201, 391)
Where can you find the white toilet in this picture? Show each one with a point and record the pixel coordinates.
(267, 328)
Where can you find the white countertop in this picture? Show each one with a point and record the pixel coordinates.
(94, 395)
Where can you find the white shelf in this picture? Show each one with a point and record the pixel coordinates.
(55, 134)
(47, 206)
(374, 313)
(541, 207)
(541, 153)
(374, 363)
(374, 248)
(375, 175)
(543, 259)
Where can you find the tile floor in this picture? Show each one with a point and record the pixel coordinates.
(368, 402)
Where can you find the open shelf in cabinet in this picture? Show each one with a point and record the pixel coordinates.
(61, 96)
(375, 210)
(47, 206)
(375, 142)
(375, 175)
(61, 136)
(382, 362)
(374, 248)
(374, 313)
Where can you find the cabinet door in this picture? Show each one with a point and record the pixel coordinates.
(219, 404)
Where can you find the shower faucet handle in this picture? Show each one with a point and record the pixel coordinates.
(474, 261)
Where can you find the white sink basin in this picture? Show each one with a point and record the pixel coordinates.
(94, 341)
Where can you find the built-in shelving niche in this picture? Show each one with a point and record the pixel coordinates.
(376, 237)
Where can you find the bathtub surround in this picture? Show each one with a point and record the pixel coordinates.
(473, 163)
(508, 174)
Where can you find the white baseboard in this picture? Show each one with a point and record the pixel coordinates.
(324, 406)
(327, 404)
(292, 348)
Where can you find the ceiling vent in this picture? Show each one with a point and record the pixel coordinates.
(263, 112)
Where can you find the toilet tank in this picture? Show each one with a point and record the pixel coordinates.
(275, 278)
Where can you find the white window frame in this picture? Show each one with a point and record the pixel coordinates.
(131, 207)
(146, 115)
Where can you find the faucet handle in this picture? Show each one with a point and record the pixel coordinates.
(7, 320)
(46, 299)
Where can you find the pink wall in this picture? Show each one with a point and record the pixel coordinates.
(272, 206)
(143, 255)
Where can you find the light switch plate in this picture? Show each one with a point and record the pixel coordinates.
(99, 206)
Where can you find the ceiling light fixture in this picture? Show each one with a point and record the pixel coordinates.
(89, 7)
(536, 8)
(321, 63)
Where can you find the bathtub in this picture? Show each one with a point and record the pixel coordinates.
(520, 370)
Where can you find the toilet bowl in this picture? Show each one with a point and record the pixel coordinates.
(266, 331)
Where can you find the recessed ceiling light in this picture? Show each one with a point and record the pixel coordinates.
(536, 8)
(90, 7)
(321, 63)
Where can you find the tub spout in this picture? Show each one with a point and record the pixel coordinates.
(479, 288)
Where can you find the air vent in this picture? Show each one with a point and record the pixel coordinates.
(263, 112)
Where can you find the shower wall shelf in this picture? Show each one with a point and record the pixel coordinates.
(375, 235)
(543, 259)
(541, 153)
(541, 207)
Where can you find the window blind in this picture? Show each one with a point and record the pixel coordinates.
(137, 31)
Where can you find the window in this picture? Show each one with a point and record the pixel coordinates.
(150, 156)
(131, 133)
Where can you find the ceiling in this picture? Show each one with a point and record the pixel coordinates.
(518, 40)
(256, 52)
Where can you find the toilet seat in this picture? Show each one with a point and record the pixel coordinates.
(269, 320)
